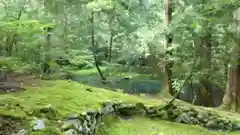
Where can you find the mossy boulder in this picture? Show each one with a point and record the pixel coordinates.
(213, 124)
(48, 111)
(126, 110)
(11, 124)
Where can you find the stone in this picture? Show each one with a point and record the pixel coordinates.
(39, 125)
(98, 119)
(71, 132)
(184, 118)
(177, 112)
(85, 130)
(221, 125)
(85, 123)
(142, 112)
(21, 132)
(68, 124)
(49, 111)
(127, 110)
(151, 110)
(193, 113)
(73, 116)
(202, 117)
(82, 116)
(88, 118)
(107, 108)
(212, 125)
(170, 113)
(93, 124)
(165, 116)
(126, 78)
(88, 122)
(92, 113)
(140, 106)
(236, 126)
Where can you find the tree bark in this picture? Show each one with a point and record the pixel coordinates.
(168, 40)
(232, 93)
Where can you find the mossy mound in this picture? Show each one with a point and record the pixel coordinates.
(58, 101)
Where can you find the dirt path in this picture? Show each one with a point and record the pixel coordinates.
(12, 82)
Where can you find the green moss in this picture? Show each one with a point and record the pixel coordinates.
(59, 98)
(66, 96)
(144, 126)
(108, 122)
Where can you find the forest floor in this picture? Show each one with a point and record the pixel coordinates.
(70, 97)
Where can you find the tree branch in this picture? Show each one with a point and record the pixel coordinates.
(185, 82)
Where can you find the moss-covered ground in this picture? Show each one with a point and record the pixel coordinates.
(145, 126)
(66, 96)
(69, 97)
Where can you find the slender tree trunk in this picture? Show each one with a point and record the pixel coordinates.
(110, 47)
(168, 40)
(94, 47)
(45, 63)
(112, 32)
(12, 39)
(66, 47)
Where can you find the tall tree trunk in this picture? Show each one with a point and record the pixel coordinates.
(168, 40)
(205, 65)
(110, 40)
(94, 47)
(232, 94)
(66, 47)
(12, 39)
(45, 62)
(110, 47)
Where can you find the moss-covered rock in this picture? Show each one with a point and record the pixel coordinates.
(11, 124)
(48, 111)
(213, 124)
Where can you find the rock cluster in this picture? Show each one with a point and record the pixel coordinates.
(87, 124)
(187, 115)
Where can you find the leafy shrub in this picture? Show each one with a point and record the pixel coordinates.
(80, 63)
(10, 63)
(29, 68)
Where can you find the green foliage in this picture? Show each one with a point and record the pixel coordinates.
(137, 31)
(10, 63)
